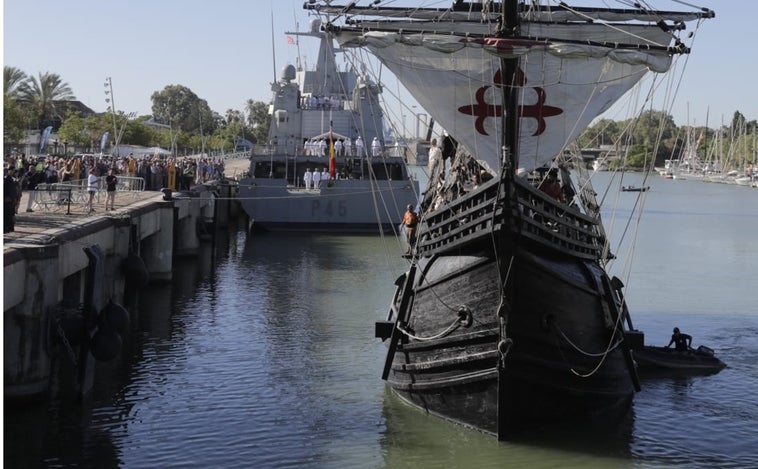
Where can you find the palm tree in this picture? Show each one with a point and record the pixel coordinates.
(41, 94)
(13, 78)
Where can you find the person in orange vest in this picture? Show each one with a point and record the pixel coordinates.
(410, 221)
(172, 174)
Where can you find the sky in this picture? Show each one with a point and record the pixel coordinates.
(222, 50)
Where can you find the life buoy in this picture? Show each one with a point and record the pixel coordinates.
(115, 316)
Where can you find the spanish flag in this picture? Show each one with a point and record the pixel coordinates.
(332, 159)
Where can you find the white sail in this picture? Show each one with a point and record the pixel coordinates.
(574, 63)
(564, 85)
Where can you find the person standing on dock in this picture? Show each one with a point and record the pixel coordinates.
(9, 200)
(110, 190)
(92, 189)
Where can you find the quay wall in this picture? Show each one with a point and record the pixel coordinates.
(49, 272)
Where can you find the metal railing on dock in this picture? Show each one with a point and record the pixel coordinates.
(57, 196)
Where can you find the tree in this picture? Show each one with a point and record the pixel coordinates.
(41, 94)
(180, 108)
(83, 132)
(137, 133)
(604, 132)
(15, 116)
(258, 121)
(14, 120)
(13, 78)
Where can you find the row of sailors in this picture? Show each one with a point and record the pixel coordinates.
(321, 102)
(320, 147)
(313, 179)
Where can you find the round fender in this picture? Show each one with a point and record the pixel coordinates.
(135, 271)
(105, 344)
(73, 328)
(116, 317)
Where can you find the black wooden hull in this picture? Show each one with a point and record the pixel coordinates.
(556, 320)
(510, 325)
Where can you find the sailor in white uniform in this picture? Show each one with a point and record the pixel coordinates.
(376, 148)
(308, 178)
(359, 147)
(316, 178)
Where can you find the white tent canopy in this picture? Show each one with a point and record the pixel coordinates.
(138, 151)
(326, 135)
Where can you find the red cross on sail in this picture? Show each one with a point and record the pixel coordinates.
(482, 109)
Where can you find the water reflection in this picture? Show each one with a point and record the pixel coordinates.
(260, 353)
(415, 439)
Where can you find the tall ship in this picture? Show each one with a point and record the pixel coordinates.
(507, 317)
(330, 163)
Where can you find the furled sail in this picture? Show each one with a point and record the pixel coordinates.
(570, 72)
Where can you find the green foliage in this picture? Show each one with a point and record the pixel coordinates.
(137, 133)
(14, 120)
(258, 121)
(179, 107)
(12, 79)
(83, 132)
(193, 126)
(40, 94)
(640, 135)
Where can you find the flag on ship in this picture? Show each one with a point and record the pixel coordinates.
(332, 159)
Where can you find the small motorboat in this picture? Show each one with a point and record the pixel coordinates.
(634, 189)
(700, 360)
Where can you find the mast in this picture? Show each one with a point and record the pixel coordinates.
(510, 67)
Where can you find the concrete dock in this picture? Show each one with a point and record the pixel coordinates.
(64, 266)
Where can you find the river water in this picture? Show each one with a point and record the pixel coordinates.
(260, 353)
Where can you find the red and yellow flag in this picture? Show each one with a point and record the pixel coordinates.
(332, 159)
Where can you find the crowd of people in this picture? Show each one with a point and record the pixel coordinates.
(22, 172)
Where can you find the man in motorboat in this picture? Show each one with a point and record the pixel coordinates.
(682, 342)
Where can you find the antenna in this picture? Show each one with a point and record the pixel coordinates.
(273, 50)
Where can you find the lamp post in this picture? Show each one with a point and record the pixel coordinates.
(111, 102)
(120, 134)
